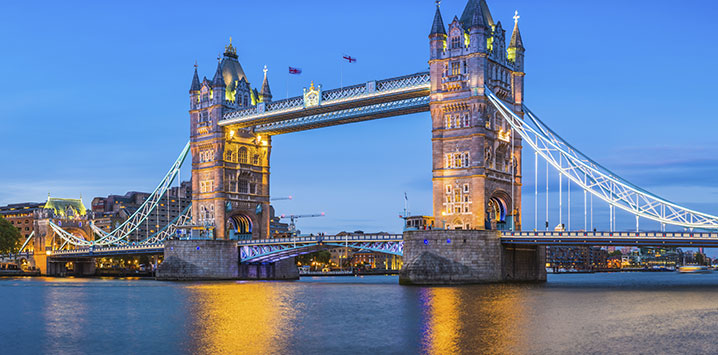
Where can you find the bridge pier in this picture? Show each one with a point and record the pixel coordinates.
(199, 260)
(279, 270)
(450, 257)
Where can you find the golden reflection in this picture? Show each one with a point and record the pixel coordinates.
(246, 318)
(483, 319)
(442, 334)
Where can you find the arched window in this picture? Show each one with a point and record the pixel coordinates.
(243, 155)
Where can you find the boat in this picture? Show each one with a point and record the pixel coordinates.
(693, 269)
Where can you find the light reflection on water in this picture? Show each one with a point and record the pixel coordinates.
(601, 313)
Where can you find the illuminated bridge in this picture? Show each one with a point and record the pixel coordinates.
(481, 130)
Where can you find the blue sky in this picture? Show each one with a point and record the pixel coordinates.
(94, 97)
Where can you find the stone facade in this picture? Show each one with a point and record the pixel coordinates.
(199, 260)
(449, 257)
(476, 158)
(230, 167)
(280, 270)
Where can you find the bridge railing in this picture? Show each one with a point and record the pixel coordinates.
(325, 238)
(88, 250)
(607, 235)
(333, 96)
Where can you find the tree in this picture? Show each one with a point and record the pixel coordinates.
(9, 237)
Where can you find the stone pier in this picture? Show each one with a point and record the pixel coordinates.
(451, 257)
(280, 270)
(199, 260)
(186, 260)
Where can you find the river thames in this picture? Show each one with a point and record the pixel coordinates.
(571, 313)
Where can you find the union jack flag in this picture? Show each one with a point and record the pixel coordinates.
(293, 70)
(349, 58)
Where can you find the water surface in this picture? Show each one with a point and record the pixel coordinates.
(580, 313)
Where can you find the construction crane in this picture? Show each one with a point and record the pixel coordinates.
(280, 198)
(293, 218)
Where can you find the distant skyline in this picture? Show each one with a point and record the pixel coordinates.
(95, 97)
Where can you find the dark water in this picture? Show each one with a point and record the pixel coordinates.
(631, 313)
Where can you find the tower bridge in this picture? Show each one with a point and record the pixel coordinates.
(474, 91)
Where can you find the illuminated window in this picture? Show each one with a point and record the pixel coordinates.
(243, 155)
(206, 186)
(457, 200)
(455, 68)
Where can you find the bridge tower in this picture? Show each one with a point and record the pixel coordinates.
(476, 159)
(230, 167)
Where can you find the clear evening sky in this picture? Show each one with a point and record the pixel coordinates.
(94, 96)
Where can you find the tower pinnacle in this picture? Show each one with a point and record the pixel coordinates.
(438, 28)
(266, 93)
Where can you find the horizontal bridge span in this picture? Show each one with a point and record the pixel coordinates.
(374, 99)
(669, 239)
(109, 251)
(273, 250)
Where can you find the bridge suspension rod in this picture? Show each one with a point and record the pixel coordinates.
(596, 179)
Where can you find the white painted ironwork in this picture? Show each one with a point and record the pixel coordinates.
(596, 179)
(407, 83)
(342, 115)
(183, 219)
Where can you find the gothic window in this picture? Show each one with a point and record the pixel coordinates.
(455, 68)
(465, 67)
(206, 185)
(243, 155)
(457, 200)
(448, 120)
(231, 182)
(206, 155)
(252, 188)
(255, 159)
(204, 116)
(487, 154)
(455, 42)
(466, 189)
(467, 120)
(448, 189)
(243, 186)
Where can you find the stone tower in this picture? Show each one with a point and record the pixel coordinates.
(476, 158)
(230, 167)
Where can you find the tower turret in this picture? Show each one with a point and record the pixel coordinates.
(194, 89)
(437, 36)
(266, 94)
(515, 54)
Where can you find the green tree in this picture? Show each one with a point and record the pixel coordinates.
(9, 237)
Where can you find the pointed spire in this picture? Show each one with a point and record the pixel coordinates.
(195, 80)
(516, 41)
(473, 15)
(218, 79)
(438, 27)
(266, 92)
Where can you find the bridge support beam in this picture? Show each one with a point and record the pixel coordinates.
(450, 257)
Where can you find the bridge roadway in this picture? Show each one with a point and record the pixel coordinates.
(375, 99)
(271, 250)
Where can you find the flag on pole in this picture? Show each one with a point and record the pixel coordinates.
(293, 70)
(349, 58)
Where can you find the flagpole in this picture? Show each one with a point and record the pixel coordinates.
(288, 84)
(341, 73)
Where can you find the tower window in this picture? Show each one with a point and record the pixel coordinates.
(455, 68)
(243, 155)
(455, 42)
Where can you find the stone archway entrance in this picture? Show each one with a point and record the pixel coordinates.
(498, 211)
(239, 227)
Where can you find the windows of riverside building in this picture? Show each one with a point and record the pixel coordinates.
(458, 200)
(457, 160)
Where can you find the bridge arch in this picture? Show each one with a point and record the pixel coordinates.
(239, 226)
(498, 210)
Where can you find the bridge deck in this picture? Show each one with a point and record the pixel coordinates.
(668, 239)
(375, 99)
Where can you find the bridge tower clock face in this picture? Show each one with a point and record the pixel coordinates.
(312, 97)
